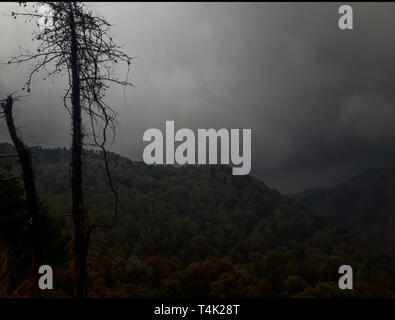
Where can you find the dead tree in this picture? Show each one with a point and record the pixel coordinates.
(33, 213)
(72, 40)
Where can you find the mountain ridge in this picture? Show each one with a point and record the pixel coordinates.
(364, 205)
(200, 231)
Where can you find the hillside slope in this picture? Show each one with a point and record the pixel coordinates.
(364, 205)
(199, 231)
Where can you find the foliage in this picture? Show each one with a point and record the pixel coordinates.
(199, 231)
(14, 236)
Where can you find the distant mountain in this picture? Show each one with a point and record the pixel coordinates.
(200, 231)
(364, 205)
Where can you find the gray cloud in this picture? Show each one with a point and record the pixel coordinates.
(319, 100)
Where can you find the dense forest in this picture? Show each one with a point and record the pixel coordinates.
(363, 205)
(193, 231)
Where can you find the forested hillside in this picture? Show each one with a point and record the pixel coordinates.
(199, 231)
(363, 205)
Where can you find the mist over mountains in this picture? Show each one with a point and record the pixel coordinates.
(319, 101)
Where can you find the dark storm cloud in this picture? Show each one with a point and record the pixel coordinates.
(320, 101)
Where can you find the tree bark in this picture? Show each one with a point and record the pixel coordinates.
(25, 159)
(79, 216)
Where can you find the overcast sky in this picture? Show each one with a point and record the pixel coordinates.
(320, 101)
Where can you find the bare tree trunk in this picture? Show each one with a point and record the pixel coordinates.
(81, 44)
(25, 159)
(79, 215)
